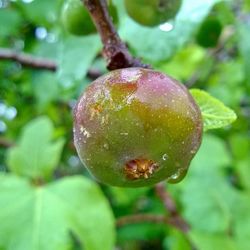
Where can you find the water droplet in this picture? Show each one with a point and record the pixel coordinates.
(166, 27)
(41, 33)
(3, 127)
(175, 176)
(73, 161)
(123, 133)
(164, 157)
(10, 113)
(106, 146)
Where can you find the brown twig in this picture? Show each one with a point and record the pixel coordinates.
(174, 217)
(5, 143)
(114, 50)
(27, 60)
(37, 63)
(141, 218)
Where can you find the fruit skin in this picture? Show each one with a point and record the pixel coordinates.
(136, 127)
(152, 12)
(76, 19)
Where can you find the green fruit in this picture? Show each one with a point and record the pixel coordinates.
(136, 127)
(209, 32)
(152, 12)
(76, 19)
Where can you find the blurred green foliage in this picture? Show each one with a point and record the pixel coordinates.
(44, 206)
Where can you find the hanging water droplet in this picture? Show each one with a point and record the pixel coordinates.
(175, 176)
(123, 133)
(164, 157)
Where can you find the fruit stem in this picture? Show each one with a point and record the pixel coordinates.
(174, 216)
(114, 50)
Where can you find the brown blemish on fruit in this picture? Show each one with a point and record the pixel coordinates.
(139, 169)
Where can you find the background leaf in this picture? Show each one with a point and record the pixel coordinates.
(50, 213)
(35, 155)
(73, 48)
(154, 44)
(215, 242)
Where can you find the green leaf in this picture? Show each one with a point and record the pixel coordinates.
(13, 19)
(184, 63)
(45, 87)
(42, 218)
(243, 36)
(241, 229)
(214, 113)
(35, 154)
(155, 45)
(76, 56)
(212, 241)
(40, 12)
(176, 240)
(205, 208)
(204, 162)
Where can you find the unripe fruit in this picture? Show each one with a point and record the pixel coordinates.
(76, 19)
(135, 127)
(152, 12)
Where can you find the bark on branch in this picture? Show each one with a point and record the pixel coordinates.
(114, 50)
(31, 61)
(27, 60)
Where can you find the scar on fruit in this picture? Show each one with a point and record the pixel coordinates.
(139, 169)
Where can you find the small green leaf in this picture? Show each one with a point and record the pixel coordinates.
(35, 155)
(45, 217)
(214, 113)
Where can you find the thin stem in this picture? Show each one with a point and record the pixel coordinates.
(27, 60)
(5, 143)
(31, 61)
(141, 218)
(174, 216)
(114, 50)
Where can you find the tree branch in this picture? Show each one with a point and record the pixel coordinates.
(114, 50)
(31, 61)
(174, 217)
(27, 60)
